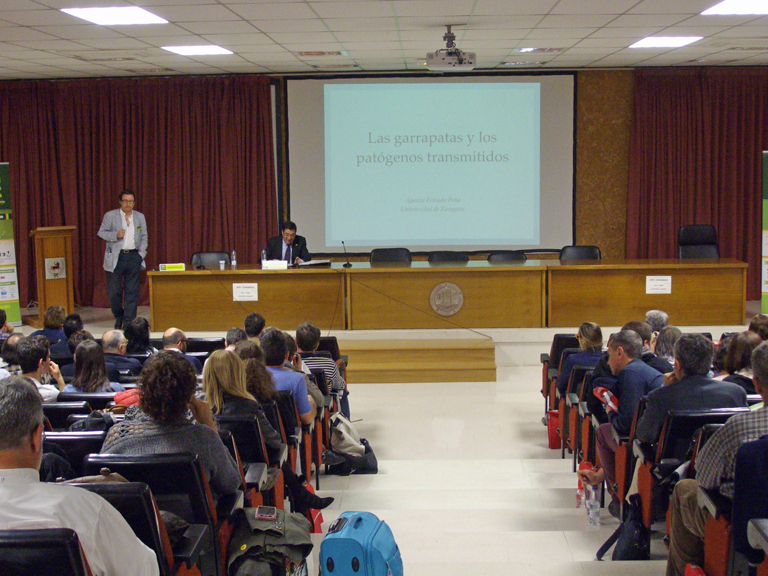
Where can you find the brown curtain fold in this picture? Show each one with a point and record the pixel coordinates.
(695, 158)
(197, 151)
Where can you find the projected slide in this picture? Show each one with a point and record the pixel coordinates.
(426, 164)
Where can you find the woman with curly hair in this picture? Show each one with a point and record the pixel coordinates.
(225, 390)
(161, 423)
(91, 370)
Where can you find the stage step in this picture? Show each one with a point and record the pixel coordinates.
(426, 360)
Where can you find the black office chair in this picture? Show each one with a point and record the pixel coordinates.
(47, 551)
(447, 256)
(209, 259)
(390, 256)
(502, 256)
(580, 253)
(697, 241)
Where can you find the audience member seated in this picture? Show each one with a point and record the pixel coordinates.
(254, 324)
(657, 319)
(5, 328)
(225, 390)
(72, 324)
(664, 344)
(687, 387)
(635, 379)
(175, 341)
(160, 424)
(645, 332)
(115, 345)
(249, 349)
(258, 381)
(738, 360)
(137, 334)
(68, 371)
(307, 340)
(275, 354)
(234, 335)
(91, 371)
(590, 339)
(108, 542)
(35, 360)
(10, 356)
(53, 320)
(715, 470)
(295, 364)
(759, 325)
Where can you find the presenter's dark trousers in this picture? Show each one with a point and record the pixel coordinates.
(123, 287)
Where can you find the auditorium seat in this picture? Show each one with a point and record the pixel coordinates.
(209, 260)
(580, 253)
(503, 256)
(77, 446)
(47, 551)
(96, 400)
(697, 241)
(58, 412)
(390, 256)
(447, 256)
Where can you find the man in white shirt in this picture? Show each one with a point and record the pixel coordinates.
(35, 360)
(109, 544)
(125, 232)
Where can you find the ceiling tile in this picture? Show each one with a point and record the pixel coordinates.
(359, 9)
(513, 7)
(276, 11)
(431, 8)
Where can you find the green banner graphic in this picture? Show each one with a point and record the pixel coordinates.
(9, 280)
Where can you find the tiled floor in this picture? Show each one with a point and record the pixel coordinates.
(468, 485)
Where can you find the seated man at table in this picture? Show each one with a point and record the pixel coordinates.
(288, 246)
(275, 354)
(108, 542)
(715, 470)
(687, 387)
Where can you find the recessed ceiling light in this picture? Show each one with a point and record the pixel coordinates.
(738, 7)
(665, 41)
(532, 63)
(524, 50)
(207, 50)
(115, 16)
(537, 50)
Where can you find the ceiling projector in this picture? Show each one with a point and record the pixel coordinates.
(450, 57)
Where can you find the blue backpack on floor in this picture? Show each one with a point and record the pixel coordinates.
(359, 544)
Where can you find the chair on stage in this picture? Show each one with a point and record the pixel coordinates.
(697, 241)
(390, 256)
(447, 256)
(502, 256)
(209, 260)
(580, 253)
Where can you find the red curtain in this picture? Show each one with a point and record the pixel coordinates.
(695, 158)
(196, 150)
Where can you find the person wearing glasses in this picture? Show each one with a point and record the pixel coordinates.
(125, 232)
(176, 341)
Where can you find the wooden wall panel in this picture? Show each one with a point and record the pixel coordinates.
(604, 100)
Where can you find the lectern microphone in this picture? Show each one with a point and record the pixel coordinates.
(348, 264)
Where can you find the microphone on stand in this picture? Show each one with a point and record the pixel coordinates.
(348, 264)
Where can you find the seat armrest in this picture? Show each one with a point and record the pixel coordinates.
(714, 502)
(309, 428)
(228, 504)
(595, 421)
(572, 399)
(757, 533)
(643, 452)
(618, 438)
(282, 456)
(256, 475)
(666, 468)
(327, 401)
(552, 373)
(191, 545)
(544, 358)
(584, 410)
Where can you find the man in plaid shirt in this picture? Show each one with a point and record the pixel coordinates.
(715, 469)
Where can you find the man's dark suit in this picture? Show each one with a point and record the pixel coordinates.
(690, 393)
(123, 362)
(298, 248)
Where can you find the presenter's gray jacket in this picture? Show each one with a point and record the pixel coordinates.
(113, 221)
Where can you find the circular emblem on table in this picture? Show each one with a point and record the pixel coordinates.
(446, 299)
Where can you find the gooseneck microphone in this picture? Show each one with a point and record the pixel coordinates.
(348, 264)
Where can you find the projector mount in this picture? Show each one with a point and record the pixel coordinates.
(450, 57)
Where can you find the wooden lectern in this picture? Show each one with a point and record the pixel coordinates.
(53, 262)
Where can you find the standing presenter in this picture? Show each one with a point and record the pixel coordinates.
(125, 232)
(288, 246)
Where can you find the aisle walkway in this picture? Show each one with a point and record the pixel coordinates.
(468, 485)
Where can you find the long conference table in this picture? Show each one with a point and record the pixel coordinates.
(533, 293)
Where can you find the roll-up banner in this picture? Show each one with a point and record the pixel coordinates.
(9, 282)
